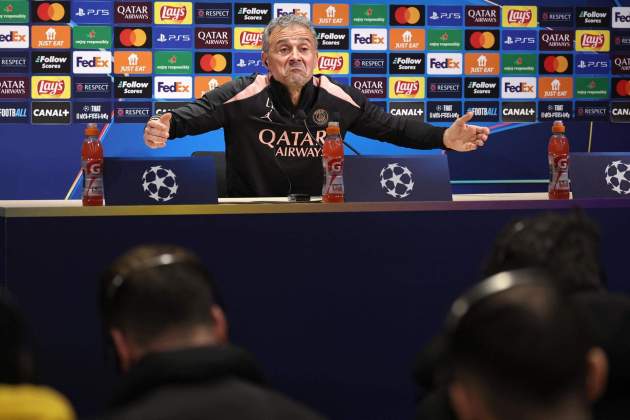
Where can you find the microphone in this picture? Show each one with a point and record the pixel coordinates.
(300, 115)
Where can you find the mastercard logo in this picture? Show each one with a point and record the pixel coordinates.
(132, 37)
(556, 64)
(212, 62)
(623, 88)
(50, 11)
(482, 40)
(407, 15)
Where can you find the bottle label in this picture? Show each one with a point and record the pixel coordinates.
(333, 169)
(92, 178)
(559, 172)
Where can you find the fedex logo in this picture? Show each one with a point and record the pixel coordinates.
(14, 37)
(515, 40)
(445, 15)
(173, 87)
(444, 63)
(92, 62)
(621, 17)
(369, 39)
(298, 9)
(518, 87)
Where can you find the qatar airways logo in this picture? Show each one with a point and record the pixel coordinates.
(253, 39)
(519, 17)
(592, 41)
(330, 63)
(171, 13)
(402, 87)
(50, 87)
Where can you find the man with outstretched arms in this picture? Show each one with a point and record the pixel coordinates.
(275, 124)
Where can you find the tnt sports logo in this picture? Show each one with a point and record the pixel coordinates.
(406, 15)
(50, 36)
(173, 87)
(50, 87)
(369, 39)
(91, 62)
(133, 37)
(444, 63)
(159, 183)
(14, 36)
(482, 40)
(406, 87)
(520, 16)
(591, 40)
(248, 38)
(333, 63)
(397, 180)
(331, 14)
(406, 39)
(299, 9)
(617, 176)
(173, 13)
(621, 17)
(518, 87)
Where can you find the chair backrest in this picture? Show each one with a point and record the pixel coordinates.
(219, 165)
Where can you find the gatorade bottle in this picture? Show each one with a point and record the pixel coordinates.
(558, 155)
(332, 159)
(92, 167)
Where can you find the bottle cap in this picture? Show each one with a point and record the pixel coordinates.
(333, 127)
(558, 127)
(91, 130)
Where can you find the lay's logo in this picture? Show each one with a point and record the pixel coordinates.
(589, 40)
(333, 63)
(520, 16)
(47, 87)
(248, 38)
(175, 13)
(406, 88)
(50, 87)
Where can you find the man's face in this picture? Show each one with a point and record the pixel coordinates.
(292, 55)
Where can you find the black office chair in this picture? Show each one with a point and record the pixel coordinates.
(219, 165)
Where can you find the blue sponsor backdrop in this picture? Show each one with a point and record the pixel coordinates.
(42, 161)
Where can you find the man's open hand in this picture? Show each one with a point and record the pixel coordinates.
(463, 137)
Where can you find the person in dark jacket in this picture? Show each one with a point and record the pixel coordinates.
(274, 124)
(164, 316)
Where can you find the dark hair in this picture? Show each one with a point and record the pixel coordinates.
(152, 288)
(15, 355)
(564, 244)
(524, 345)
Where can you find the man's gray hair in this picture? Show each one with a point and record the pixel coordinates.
(286, 21)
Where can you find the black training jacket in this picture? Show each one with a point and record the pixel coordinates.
(273, 148)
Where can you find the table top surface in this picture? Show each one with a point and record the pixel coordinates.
(280, 205)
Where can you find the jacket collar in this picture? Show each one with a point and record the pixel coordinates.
(282, 101)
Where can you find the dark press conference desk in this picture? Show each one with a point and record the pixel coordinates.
(334, 300)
